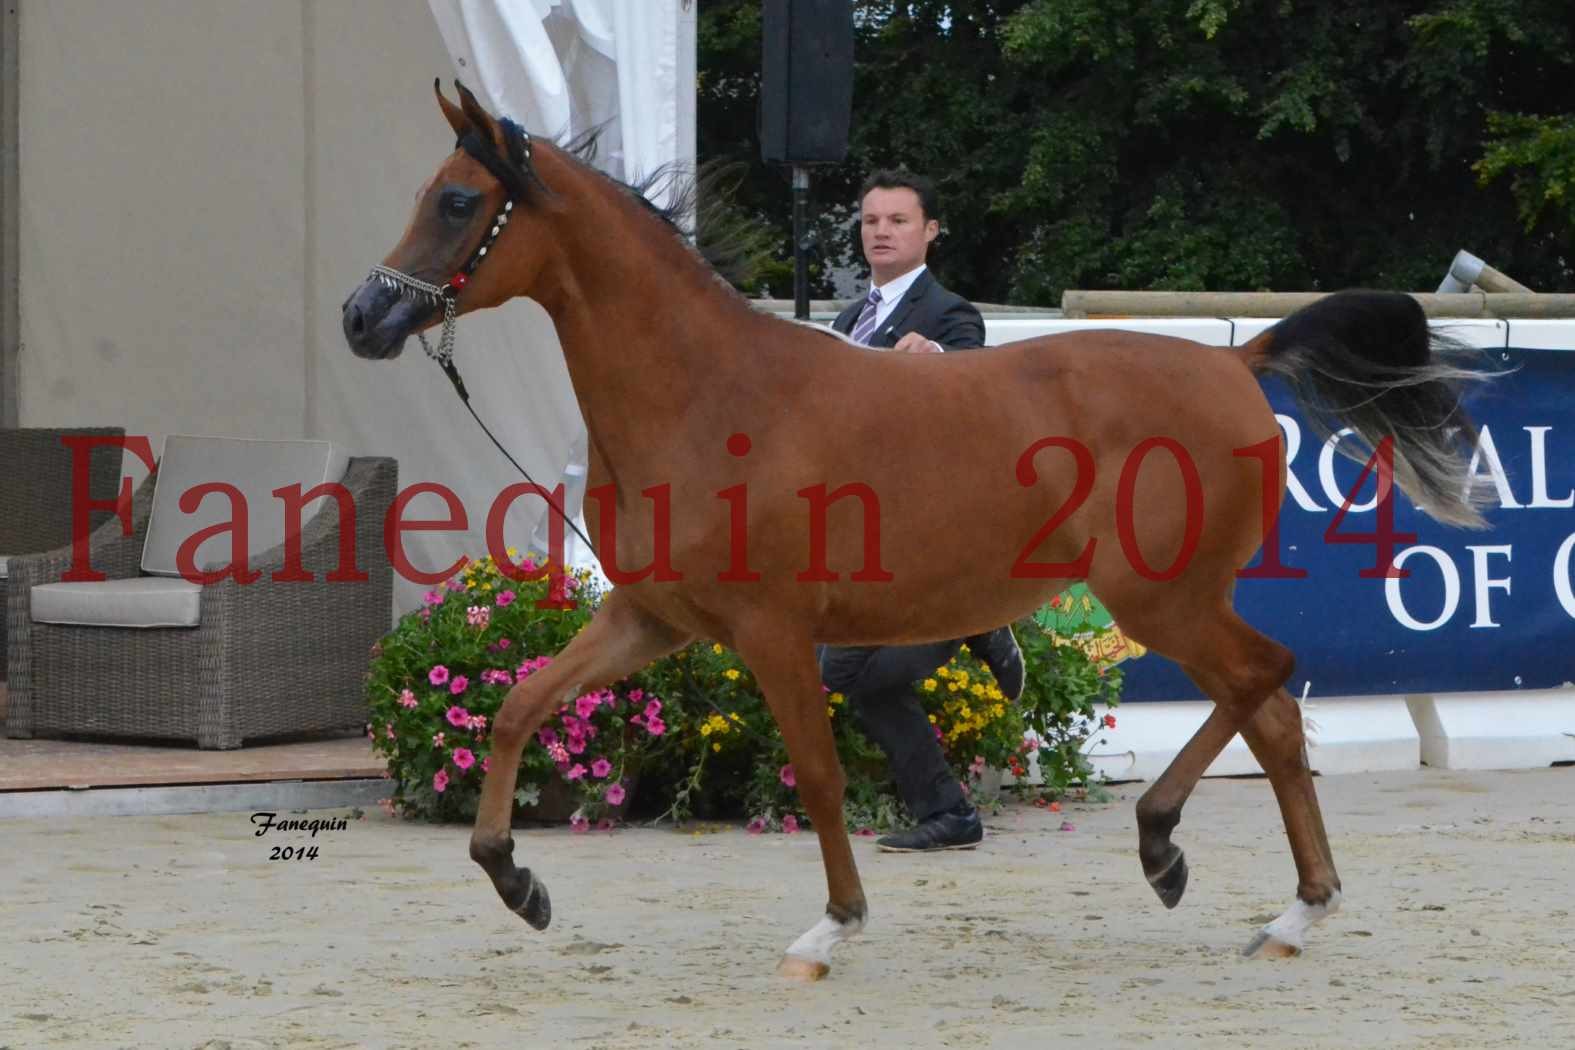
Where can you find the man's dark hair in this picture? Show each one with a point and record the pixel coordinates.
(895, 179)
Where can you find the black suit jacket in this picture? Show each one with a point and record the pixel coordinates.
(926, 308)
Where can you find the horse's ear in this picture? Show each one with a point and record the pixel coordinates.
(456, 117)
(480, 119)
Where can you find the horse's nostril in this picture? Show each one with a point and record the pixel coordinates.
(357, 324)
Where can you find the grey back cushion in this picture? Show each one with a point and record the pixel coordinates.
(254, 467)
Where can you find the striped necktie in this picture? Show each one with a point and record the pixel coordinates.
(864, 327)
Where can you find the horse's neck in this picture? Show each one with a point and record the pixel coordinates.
(648, 331)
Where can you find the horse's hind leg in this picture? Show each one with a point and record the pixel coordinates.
(620, 639)
(1237, 667)
(1277, 741)
(790, 678)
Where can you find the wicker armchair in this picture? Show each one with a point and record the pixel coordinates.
(260, 659)
(35, 510)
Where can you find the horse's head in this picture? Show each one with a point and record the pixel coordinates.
(469, 210)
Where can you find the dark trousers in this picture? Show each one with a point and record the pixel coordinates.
(879, 684)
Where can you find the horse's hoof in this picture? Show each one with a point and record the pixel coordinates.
(536, 907)
(1171, 882)
(1267, 946)
(797, 968)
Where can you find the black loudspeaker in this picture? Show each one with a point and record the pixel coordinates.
(806, 80)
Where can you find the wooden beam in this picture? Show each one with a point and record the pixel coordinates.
(1091, 304)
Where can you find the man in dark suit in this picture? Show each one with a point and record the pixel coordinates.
(908, 311)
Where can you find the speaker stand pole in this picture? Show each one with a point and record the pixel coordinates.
(801, 243)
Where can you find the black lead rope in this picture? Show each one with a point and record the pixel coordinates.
(459, 388)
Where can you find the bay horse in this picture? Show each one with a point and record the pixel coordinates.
(985, 482)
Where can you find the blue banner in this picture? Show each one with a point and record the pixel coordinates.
(1479, 610)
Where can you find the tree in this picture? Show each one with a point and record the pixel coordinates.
(1192, 144)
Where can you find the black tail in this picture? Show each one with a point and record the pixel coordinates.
(1368, 360)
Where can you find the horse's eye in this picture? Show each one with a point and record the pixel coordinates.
(457, 206)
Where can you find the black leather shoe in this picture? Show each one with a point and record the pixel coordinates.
(959, 828)
(1000, 654)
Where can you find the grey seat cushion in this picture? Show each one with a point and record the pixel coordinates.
(4, 572)
(147, 601)
(256, 469)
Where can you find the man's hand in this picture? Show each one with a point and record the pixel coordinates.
(914, 343)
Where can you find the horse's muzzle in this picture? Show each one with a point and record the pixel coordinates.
(377, 320)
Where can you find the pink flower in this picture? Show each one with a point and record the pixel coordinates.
(605, 824)
(456, 584)
(756, 826)
(458, 717)
(636, 695)
(440, 781)
(426, 615)
(585, 706)
(867, 832)
(615, 795)
(574, 772)
(486, 764)
(655, 726)
(478, 615)
(433, 598)
(407, 698)
(478, 723)
(786, 775)
(1067, 825)
(1110, 721)
(438, 675)
(437, 740)
(503, 643)
(388, 731)
(789, 824)
(579, 825)
(653, 709)
(600, 768)
(576, 743)
(505, 599)
(558, 754)
(547, 737)
(458, 685)
(463, 758)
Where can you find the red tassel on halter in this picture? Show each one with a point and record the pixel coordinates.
(459, 280)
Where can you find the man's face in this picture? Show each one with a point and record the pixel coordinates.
(895, 233)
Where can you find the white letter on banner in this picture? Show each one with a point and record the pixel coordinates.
(1451, 590)
(1539, 471)
(1486, 450)
(1561, 576)
(1326, 475)
(1486, 583)
(1293, 443)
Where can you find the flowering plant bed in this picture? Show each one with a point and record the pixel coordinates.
(692, 729)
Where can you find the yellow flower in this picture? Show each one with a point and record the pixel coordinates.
(734, 717)
(932, 720)
(716, 747)
(836, 698)
(944, 672)
(511, 552)
(953, 686)
(998, 710)
(716, 647)
(966, 712)
(831, 712)
(731, 674)
(929, 685)
(705, 728)
(976, 689)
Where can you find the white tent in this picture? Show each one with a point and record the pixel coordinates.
(202, 184)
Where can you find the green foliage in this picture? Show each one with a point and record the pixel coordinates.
(1189, 144)
(1539, 154)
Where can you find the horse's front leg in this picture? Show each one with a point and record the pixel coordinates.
(790, 678)
(620, 639)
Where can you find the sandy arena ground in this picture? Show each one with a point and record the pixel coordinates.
(177, 933)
